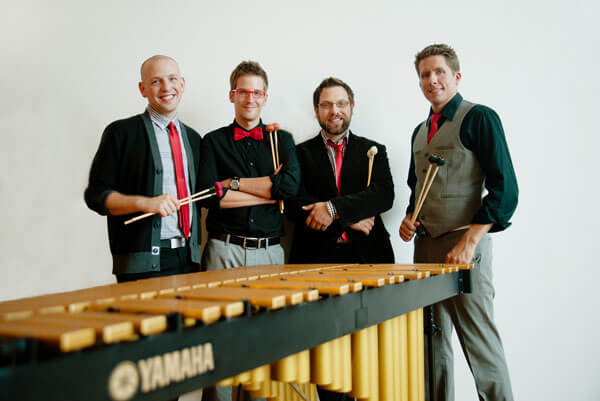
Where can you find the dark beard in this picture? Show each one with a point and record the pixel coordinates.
(343, 128)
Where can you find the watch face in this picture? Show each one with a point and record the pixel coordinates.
(235, 184)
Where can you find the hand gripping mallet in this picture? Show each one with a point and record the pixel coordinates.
(272, 130)
(438, 162)
(371, 155)
(215, 190)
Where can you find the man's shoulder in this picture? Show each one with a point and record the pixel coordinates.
(126, 122)
(418, 126)
(125, 126)
(217, 134)
(364, 141)
(309, 143)
(285, 134)
(480, 110)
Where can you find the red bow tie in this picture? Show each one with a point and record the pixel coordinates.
(255, 133)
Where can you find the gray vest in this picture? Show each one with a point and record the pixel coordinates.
(455, 195)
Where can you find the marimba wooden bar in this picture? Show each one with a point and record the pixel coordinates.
(273, 329)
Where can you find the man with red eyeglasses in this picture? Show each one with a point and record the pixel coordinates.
(245, 226)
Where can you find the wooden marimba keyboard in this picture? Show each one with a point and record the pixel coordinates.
(273, 329)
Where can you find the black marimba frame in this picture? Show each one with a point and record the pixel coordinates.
(239, 344)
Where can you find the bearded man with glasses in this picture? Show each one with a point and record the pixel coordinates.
(338, 217)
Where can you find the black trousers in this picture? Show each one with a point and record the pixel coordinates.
(344, 252)
(172, 261)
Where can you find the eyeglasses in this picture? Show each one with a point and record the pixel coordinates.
(342, 104)
(258, 94)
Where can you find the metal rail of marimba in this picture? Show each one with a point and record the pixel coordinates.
(137, 370)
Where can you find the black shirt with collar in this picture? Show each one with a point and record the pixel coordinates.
(222, 157)
(481, 132)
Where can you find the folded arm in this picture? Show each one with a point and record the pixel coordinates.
(233, 199)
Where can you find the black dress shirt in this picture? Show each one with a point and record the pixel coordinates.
(222, 158)
(481, 132)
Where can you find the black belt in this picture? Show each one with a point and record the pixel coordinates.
(247, 242)
(173, 243)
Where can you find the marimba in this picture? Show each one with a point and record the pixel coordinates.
(272, 329)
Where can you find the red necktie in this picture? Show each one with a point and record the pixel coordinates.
(339, 160)
(255, 133)
(184, 211)
(433, 125)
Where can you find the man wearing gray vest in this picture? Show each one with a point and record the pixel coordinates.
(454, 222)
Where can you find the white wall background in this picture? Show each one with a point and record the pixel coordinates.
(69, 68)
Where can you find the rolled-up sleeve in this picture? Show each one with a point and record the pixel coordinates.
(287, 183)
(483, 134)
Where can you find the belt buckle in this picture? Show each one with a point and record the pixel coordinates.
(177, 242)
(251, 247)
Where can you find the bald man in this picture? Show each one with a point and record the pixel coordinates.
(143, 165)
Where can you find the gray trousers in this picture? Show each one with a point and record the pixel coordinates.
(224, 255)
(473, 317)
(220, 255)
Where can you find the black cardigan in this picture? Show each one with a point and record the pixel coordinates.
(128, 161)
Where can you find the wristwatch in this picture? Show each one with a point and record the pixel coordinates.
(235, 184)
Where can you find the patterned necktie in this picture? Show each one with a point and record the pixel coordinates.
(433, 126)
(184, 211)
(255, 133)
(339, 160)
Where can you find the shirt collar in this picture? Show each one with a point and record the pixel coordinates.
(346, 136)
(450, 109)
(160, 120)
(236, 125)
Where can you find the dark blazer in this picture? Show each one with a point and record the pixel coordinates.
(355, 202)
(128, 161)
